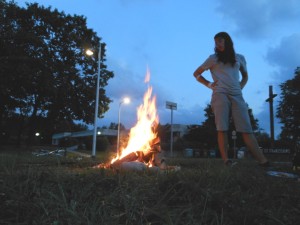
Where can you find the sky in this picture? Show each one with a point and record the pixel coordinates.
(173, 37)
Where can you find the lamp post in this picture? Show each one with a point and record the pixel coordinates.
(172, 106)
(126, 101)
(89, 52)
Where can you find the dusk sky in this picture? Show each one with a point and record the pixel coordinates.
(173, 37)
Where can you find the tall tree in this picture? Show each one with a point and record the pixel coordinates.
(203, 135)
(43, 69)
(288, 110)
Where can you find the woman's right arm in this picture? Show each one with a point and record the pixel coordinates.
(198, 75)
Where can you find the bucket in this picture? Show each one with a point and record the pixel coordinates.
(188, 152)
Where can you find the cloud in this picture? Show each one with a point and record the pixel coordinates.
(188, 116)
(127, 83)
(272, 22)
(284, 58)
(259, 19)
(286, 55)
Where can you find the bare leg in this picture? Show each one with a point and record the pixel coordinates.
(223, 144)
(252, 145)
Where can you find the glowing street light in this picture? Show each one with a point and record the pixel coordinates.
(89, 53)
(125, 101)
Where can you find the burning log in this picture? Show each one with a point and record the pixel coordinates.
(142, 160)
(139, 161)
(143, 147)
(133, 156)
(147, 157)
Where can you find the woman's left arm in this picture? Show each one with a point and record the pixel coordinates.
(244, 71)
(244, 78)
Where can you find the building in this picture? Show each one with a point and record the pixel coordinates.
(179, 130)
(56, 138)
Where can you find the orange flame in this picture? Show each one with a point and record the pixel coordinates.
(142, 133)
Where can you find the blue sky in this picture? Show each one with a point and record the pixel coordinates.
(173, 37)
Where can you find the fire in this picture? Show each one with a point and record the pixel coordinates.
(143, 132)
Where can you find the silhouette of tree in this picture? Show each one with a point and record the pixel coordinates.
(43, 69)
(288, 110)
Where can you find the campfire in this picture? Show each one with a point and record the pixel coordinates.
(143, 148)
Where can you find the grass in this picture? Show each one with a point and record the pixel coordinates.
(66, 190)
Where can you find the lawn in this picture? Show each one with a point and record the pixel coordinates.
(56, 190)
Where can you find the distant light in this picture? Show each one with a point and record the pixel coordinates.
(89, 52)
(37, 134)
(126, 100)
(99, 132)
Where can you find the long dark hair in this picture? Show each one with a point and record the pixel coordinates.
(228, 55)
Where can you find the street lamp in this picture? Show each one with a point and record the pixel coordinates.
(89, 52)
(172, 106)
(125, 101)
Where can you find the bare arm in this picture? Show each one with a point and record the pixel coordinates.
(244, 78)
(201, 79)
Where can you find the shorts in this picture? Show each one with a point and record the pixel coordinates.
(223, 104)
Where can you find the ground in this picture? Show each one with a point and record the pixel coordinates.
(69, 190)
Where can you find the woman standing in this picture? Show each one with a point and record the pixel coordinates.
(225, 67)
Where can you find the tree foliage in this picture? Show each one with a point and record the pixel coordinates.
(288, 110)
(114, 126)
(203, 135)
(43, 69)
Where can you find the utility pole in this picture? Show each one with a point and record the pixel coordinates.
(270, 100)
(172, 106)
